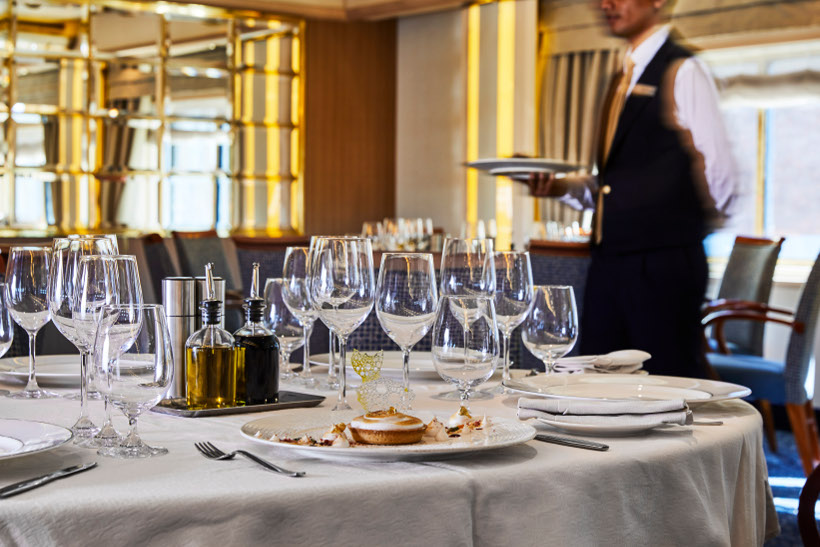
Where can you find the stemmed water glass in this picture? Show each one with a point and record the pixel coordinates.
(103, 280)
(62, 288)
(286, 326)
(26, 289)
(332, 381)
(406, 299)
(342, 290)
(465, 342)
(296, 294)
(551, 328)
(6, 326)
(513, 299)
(133, 359)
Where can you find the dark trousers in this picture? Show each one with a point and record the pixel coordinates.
(649, 301)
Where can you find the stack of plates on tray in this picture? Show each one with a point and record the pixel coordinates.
(625, 361)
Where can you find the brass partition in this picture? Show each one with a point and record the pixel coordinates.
(149, 116)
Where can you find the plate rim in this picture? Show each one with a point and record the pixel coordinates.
(42, 449)
(416, 372)
(737, 391)
(600, 430)
(393, 452)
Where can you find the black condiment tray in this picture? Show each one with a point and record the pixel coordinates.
(287, 399)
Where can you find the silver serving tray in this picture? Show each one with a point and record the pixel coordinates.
(287, 399)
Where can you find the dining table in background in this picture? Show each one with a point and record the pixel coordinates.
(679, 485)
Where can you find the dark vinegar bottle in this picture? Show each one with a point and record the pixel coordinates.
(257, 378)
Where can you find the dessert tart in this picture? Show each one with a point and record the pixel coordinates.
(386, 427)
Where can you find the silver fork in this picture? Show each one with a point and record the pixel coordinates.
(210, 451)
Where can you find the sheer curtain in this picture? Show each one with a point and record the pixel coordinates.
(572, 86)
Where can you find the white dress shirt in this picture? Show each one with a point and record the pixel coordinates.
(696, 110)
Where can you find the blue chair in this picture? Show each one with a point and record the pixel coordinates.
(773, 381)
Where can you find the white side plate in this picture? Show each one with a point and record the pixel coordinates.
(421, 365)
(24, 437)
(51, 370)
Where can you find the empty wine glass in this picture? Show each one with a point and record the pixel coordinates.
(342, 290)
(551, 328)
(286, 326)
(467, 267)
(103, 280)
(62, 288)
(406, 299)
(135, 375)
(6, 325)
(27, 275)
(465, 342)
(513, 299)
(296, 294)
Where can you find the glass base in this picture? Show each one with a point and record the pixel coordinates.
(132, 452)
(307, 381)
(342, 406)
(106, 438)
(75, 396)
(500, 389)
(84, 430)
(38, 393)
(455, 395)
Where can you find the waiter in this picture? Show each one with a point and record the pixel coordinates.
(664, 174)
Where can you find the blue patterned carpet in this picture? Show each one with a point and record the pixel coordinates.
(786, 479)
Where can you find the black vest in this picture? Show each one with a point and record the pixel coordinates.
(653, 200)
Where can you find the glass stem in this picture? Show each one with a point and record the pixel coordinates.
(405, 371)
(341, 404)
(505, 375)
(306, 357)
(331, 371)
(133, 440)
(83, 384)
(32, 378)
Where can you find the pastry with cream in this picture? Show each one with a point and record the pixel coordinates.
(386, 427)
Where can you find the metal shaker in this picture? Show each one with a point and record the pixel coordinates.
(181, 309)
(201, 293)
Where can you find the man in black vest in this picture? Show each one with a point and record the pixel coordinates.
(664, 172)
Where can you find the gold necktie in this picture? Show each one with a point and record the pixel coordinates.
(617, 105)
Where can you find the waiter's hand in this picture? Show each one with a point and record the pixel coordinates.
(542, 185)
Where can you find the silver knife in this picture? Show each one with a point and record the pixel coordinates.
(24, 486)
(576, 443)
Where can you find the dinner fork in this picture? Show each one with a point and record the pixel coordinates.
(210, 451)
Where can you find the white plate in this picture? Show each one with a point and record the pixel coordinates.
(520, 168)
(598, 429)
(421, 365)
(501, 433)
(628, 386)
(23, 437)
(52, 370)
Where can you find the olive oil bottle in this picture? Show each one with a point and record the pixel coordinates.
(210, 357)
(257, 378)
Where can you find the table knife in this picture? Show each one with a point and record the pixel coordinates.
(24, 486)
(575, 443)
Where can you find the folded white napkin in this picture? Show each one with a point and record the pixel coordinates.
(617, 362)
(610, 413)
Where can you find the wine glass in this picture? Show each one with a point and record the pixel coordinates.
(103, 280)
(513, 300)
(465, 342)
(342, 289)
(406, 299)
(332, 381)
(286, 326)
(467, 267)
(63, 276)
(26, 290)
(6, 326)
(133, 359)
(551, 328)
(296, 295)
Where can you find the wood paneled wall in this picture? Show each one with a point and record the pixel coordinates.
(350, 124)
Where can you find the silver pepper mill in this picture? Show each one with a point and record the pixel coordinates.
(180, 302)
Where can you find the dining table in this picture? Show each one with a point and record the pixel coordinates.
(677, 485)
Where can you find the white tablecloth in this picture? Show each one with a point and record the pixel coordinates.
(698, 485)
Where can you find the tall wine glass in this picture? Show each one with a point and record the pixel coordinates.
(135, 375)
(284, 324)
(332, 381)
(467, 267)
(551, 328)
(513, 299)
(465, 342)
(342, 289)
(6, 325)
(406, 299)
(26, 297)
(104, 280)
(62, 287)
(296, 294)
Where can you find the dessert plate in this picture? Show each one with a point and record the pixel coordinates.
(52, 370)
(501, 433)
(520, 168)
(24, 437)
(628, 386)
(421, 365)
